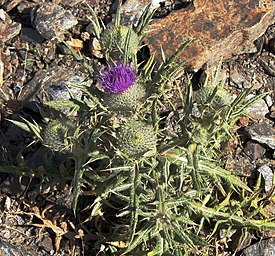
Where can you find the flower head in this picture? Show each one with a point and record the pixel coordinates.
(135, 138)
(55, 134)
(117, 78)
(129, 100)
(117, 41)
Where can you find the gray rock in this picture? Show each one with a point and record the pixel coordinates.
(271, 44)
(7, 249)
(132, 10)
(46, 244)
(238, 79)
(31, 35)
(258, 110)
(267, 174)
(262, 132)
(52, 84)
(70, 3)
(262, 248)
(52, 20)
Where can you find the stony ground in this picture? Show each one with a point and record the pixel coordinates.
(35, 217)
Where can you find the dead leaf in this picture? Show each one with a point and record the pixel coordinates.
(52, 224)
(93, 3)
(243, 121)
(76, 44)
(119, 244)
(1, 72)
(96, 48)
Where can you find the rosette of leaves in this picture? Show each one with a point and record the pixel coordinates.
(57, 134)
(135, 138)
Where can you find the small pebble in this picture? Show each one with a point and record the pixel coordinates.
(267, 174)
(268, 100)
(31, 35)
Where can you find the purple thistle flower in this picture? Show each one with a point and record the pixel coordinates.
(117, 78)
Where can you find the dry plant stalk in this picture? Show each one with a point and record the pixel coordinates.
(1, 71)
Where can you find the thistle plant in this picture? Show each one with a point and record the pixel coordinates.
(154, 195)
(210, 113)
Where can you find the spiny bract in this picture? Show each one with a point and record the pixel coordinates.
(135, 138)
(55, 133)
(114, 39)
(129, 100)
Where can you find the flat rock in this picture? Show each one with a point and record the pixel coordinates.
(262, 248)
(254, 150)
(259, 109)
(221, 29)
(52, 84)
(70, 3)
(31, 35)
(263, 133)
(8, 28)
(52, 20)
(12, 250)
(131, 10)
(267, 174)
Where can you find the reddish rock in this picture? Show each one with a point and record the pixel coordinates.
(254, 150)
(8, 28)
(220, 28)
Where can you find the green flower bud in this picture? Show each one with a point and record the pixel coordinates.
(220, 99)
(129, 100)
(135, 138)
(201, 136)
(55, 134)
(113, 41)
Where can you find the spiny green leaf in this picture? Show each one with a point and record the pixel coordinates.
(134, 200)
(59, 104)
(144, 20)
(29, 127)
(140, 236)
(24, 126)
(96, 26)
(77, 182)
(183, 236)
